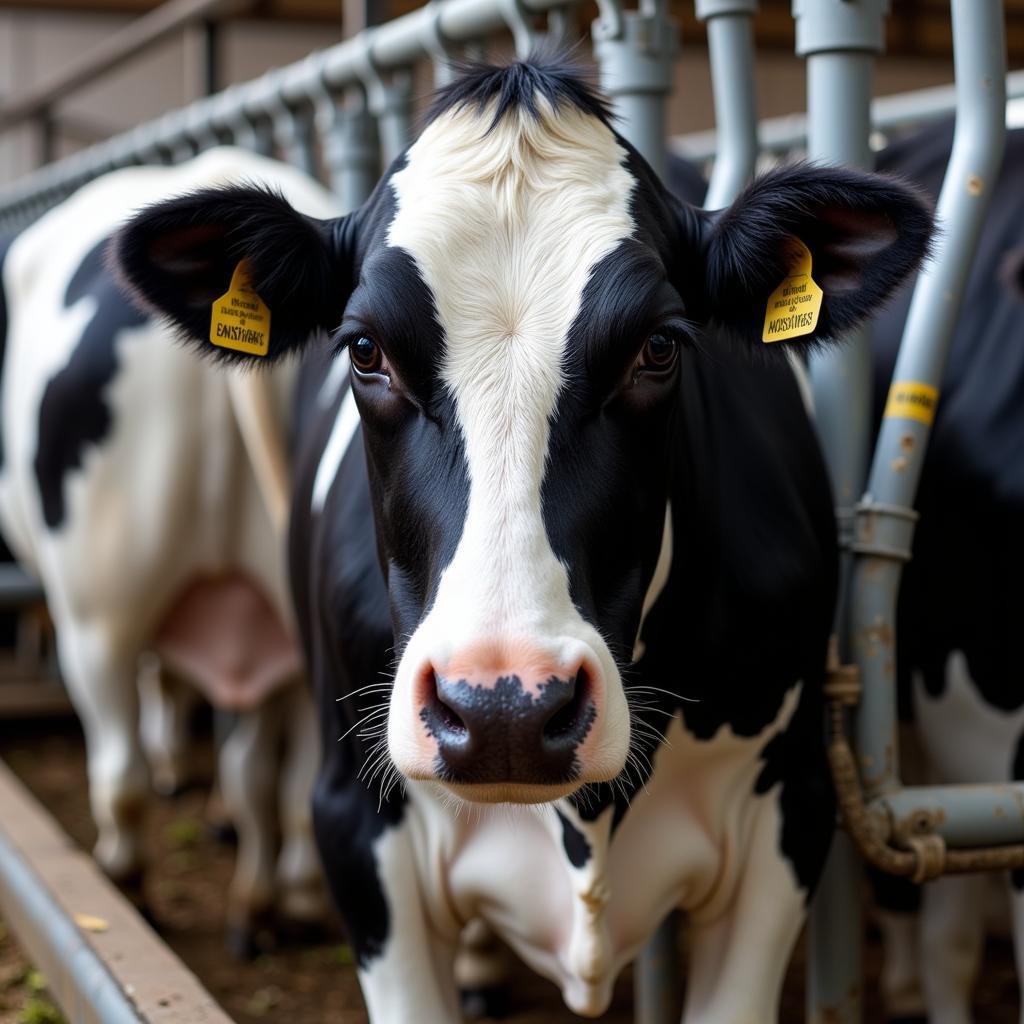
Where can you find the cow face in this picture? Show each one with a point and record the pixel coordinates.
(514, 300)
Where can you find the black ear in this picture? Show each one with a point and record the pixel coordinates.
(177, 258)
(865, 233)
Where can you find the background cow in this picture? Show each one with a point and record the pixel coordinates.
(961, 600)
(583, 556)
(127, 488)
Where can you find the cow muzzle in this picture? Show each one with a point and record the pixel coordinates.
(509, 723)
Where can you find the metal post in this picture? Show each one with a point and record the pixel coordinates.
(635, 51)
(47, 138)
(840, 39)
(731, 53)
(389, 100)
(436, 45)
(885, 518)
(349, 137)
(293, 133)
(202, 53)
(658, 992)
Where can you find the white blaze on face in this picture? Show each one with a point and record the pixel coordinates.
(505, 227)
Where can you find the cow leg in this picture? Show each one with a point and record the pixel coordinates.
(165, 709)
(101, 682)
(952, 938)
(739, 959)
(902, 993)
(302, 897)
(481, 971)
(248, 778)
(898, 910)
(412, 978)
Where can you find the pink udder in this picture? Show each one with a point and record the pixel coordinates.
(223, 636)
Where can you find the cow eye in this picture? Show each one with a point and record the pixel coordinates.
(659, 352)
(366, 356)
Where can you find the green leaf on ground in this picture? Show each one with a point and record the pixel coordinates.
(40, 1011)
(183, 833)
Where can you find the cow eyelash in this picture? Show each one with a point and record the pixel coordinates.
(348, 336)
(659, 353)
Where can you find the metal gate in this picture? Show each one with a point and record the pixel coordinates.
(349, 109)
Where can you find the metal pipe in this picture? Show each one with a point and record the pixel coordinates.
(37, 912)
(835, 976)
(390, 101)
(389, 47)
(840, 41)
(731, 54)
(119, 973)
(788, 133)
(658, 994)
(658, 997)
(965, 815)
(293, 132)
(885, 519)
(635, 51)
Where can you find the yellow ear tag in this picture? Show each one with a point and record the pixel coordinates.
(240, 319)
(794, 306)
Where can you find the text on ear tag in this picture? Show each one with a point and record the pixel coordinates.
(240, 319)
(794, 306)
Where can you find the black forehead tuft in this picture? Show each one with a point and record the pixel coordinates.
(516, 86)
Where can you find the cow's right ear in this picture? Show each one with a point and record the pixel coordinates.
(179, 257)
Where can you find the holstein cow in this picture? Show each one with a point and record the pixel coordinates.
(582, 559)
(961, 602)
(127, 487)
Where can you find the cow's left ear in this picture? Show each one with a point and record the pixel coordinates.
(206, 261)
(864, 234)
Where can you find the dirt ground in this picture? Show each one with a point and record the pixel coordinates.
(186, 888)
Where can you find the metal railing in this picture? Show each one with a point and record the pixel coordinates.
(787, 134)
(349, 106)
(634, 51)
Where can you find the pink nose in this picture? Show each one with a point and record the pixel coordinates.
(509, 714)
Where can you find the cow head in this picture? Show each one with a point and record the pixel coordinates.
(513, 300)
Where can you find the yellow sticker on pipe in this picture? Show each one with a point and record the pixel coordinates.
(911, 400)
(794, 306)
(240, 319)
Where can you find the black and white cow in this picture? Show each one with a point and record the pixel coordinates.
(128, 488)
(557, 539)
(961, 601)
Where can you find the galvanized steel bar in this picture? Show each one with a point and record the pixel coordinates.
(885, 519)
(389, 47)
(834, 948)
(840, 40)
(657, 977)
(117, 973)
(788, 133)
(48, 934)
(636, 51)
(731, 54)
(965, 816)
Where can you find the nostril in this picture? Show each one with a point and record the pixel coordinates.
(444, 713)
(568, 717)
